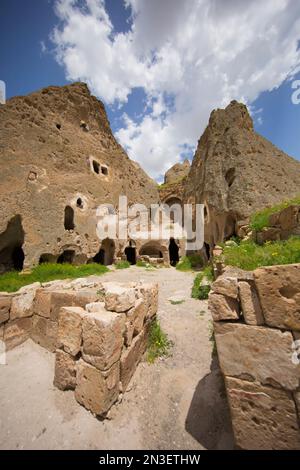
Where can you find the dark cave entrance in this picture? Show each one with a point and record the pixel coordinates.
(67, 256)
(173, 252)
(69, 218)
(130, 252)
(207, 250)
(106, 253)
(99, 257)
(11, 243)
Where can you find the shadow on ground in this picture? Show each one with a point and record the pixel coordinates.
(208, 419)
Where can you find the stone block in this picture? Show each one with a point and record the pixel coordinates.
(42, 303)
(279, 293)
(86, 296)
(223, 307)
(5, 305)
(65, 371)
(118, 298)
(132, 355)
(102, 334)
(22, 303)
(251, 308)
(227, 286)
(97, 390)
(137, 315)
(59, 299)
(69, 335)
(44, 332)
(16, 332)
(257, 353)
(94, 307)
(149, 291)
(263, 418)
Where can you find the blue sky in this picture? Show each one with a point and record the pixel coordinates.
(157, 97)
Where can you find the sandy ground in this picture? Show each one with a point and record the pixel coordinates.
(177, 403)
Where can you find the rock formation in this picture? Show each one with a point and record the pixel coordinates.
(177, 172)
(236, 172)
(58, 162)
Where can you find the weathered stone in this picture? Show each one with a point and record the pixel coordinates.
(149, 291)
(86, 296)
(257, 353)
(5, 305)
(268, 234)
(42, 303)
(118, 298)
(297, 401)
(97, 390)
(250, 304)
(22, 303)
(1, 332)
(94, 307)
(263, 418)
(65, 371)
(69, 335)
(279, 292)
(44, 332)
(16, 332)
(226, 286)
(137, 315)
(102, 334)
(132, 355)
(61, 299)
(223, 307)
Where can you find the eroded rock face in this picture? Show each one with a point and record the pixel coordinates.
(58, 162)
(177, 172)
(236, 172)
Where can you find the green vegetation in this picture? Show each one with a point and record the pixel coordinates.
(176, 302)
(199, 290)
(13, 281)
(249, 256)
(123, 264)
(190, 263)
(260, 219)
(168, 185)
(212, 338)
(142, 264)
(158, 343)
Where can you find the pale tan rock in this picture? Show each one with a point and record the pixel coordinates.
(137, 315)
(263, 418)
(226, 286)
(59, 299)
(22, 303)
(118, 298)
(279, 293)
(1, 332)
(65, 371)
(44, 332)
(97, 390)
(102, 334)
(177, 172)
(94, 307)
(69, 335)
(297, 401)
(132, 355)
(86, 296)
(149, 291)
(16, 332)
(257, 353)
(5, 305)
(251, 308)
(223, 307)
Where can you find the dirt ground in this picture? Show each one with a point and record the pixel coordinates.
(177, 403)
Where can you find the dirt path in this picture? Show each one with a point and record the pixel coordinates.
(177, 403)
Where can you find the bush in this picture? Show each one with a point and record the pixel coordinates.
(123, 265)
(158, 343)
(260, 219)
(189, 263)
(142, 264)
(13, 281)
(249, 256)
(200, 291)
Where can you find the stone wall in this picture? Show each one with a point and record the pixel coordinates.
(256, 322)
(98, 331)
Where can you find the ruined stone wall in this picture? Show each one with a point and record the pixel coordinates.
(256, 322)
(98, 331)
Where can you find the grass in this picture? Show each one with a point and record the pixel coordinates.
(13, 281)
(176, 302)
(200, 291)
(249, 256)
(260, 219)
(158, 343)
(212, 338)
(189, 263)
(141, 264)
(123, 265)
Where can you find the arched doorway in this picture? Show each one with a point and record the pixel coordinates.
(69, 218)
(151, 249)
(11, 242)
(67, 256)
(106, 253)
(130, 252)
(173, 252)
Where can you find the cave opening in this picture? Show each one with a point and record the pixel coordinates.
(69, 218)
(173, 252)
(11, 246)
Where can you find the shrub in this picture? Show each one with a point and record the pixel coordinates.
(123, 264)
(13, 281)
(189, 263)
(158, 343)
(260, 219)
(249, 256)
(200, 291)
(142, 264)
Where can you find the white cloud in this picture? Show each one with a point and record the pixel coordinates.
(202, 52)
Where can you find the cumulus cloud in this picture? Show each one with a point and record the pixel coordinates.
(189, 56)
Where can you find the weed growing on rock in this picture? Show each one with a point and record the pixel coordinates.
(158, 343)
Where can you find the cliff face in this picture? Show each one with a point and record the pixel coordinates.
(177, 172)
(236, 172)
(58, 161)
